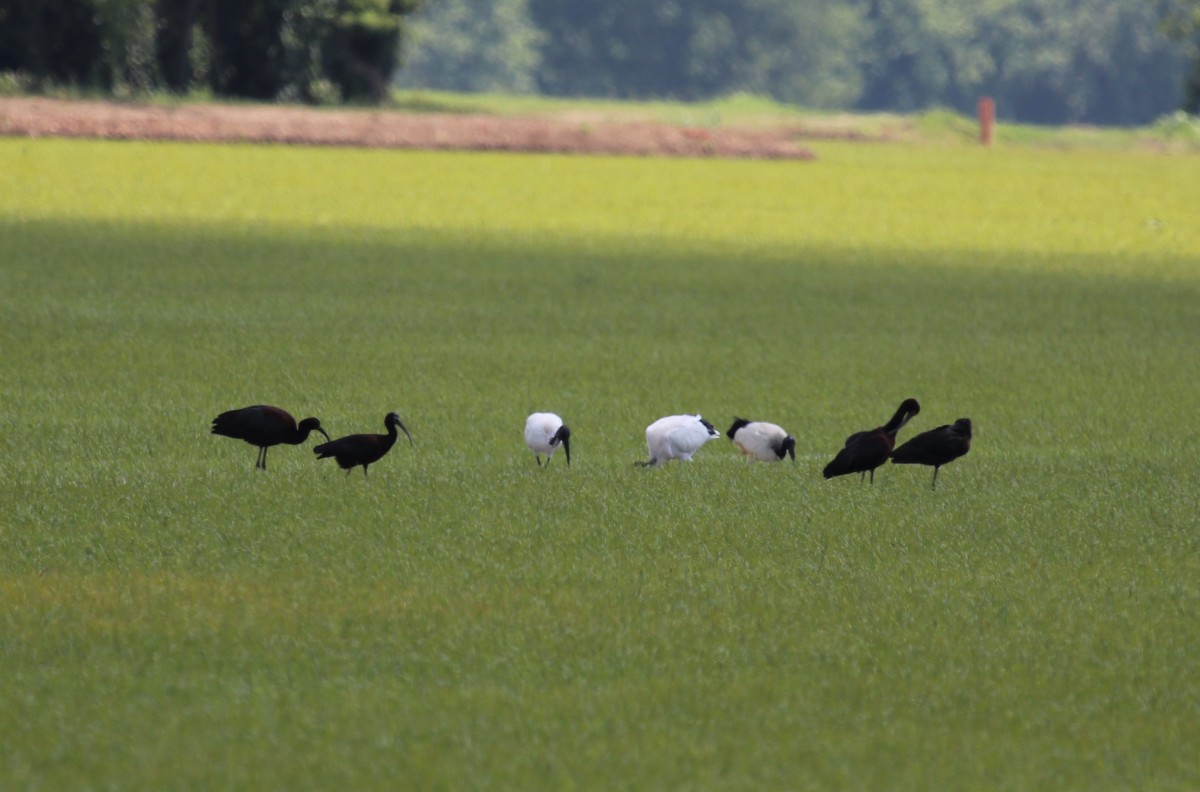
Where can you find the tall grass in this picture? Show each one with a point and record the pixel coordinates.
(465, 619)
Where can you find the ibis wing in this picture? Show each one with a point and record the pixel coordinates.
(863, 451)
(677, 442)
(842, 464)
(935, 447)
(343, 446)
(260, 424)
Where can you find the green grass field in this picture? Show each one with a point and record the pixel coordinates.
(175, 619)
(1177, 132)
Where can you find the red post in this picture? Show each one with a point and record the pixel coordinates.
(987, 119)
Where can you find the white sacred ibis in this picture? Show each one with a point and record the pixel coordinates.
(677, 437)
(544, 433)
(763, 441)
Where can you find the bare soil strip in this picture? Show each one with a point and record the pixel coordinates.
(36, 117)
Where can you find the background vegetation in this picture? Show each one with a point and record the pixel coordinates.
(464, 619)
(295, 50)
(1045, 61)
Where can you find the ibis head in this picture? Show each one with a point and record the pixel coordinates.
(393, 421)
(563, 435)
(311, 425)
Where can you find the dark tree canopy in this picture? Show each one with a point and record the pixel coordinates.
(51, 40)
(1181, 22)
(308, 50)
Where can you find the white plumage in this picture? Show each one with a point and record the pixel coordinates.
(677, 437)
(544, 433)
(760, 440)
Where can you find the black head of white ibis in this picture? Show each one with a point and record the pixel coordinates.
(563, 436)
(936, 447)
(766, 442)
(738, 423)
(363, 449)
(865, 451)
(264, 426)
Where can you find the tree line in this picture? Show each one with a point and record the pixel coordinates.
(1045, 61)
(291, 50)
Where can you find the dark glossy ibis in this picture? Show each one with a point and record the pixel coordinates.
(865, 451)
(936, 447)
(363, 449)
(264, 426)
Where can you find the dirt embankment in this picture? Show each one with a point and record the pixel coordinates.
(35, 117)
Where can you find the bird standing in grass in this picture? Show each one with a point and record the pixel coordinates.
(677, 437)
(264, 426)
(865, 451)
(936, 447)
(363, 449)
(544, 433)
(763, 441)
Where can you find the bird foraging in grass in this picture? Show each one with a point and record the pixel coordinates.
(264, 426)
(544, 433)
(865, 451)
(363, 449)
(936, 447)
(677, 437)
(763, 441)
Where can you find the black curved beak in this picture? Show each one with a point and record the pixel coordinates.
(566, 442)
(404, 429)
(322, 431)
